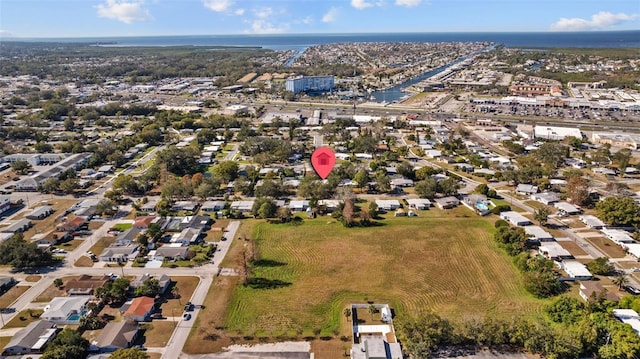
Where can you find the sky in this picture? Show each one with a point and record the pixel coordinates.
(105, 18)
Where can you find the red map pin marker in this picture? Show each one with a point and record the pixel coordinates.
(323, 159)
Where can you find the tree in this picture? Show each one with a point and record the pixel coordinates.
(69, 185)
(482, 188)
(21, 254)
(67, 344)
(373, 209)
(348, 213)
(361, 177)
(383, 182)
(127, 184)
(622, 158)
(347, 313)
(106, 207)
(227, 170)
(149, 288)
(578, 190)
(542, 215)
(284, 214)
(58, 283)
(600, 266)
(264, 207)
(512, 239)
(620, 281)
(427, 188)
(21, 167)
(129, 353)
(619, 211)
(551, 154)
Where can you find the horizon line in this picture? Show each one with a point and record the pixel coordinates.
(12, 37)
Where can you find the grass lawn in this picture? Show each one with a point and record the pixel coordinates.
(70, 245)
(12, 294)
(52, 292)
(607, 246)
(23, 318)
(93, 225)
(33, 278)
(122, 226)
(4, 341)
(186, 286)
(84, 261)
(158, 333)
(442, 261)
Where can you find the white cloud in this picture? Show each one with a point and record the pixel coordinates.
(239, 12)
(331, 15)
(263, 12)
(307, 20)
(5, 33)
(127, 11)
(408, 3)
(218, 5)
(361, 4)
(265, 27)
(601, 20)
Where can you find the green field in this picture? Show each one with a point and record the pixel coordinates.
(441, 261)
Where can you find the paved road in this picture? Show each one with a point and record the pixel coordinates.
(181, 333)
(231, 155)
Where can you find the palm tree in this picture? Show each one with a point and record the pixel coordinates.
(621, 280)
(347, 313)
(175, 292)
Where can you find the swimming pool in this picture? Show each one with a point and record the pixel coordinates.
(74, 317)
(481, 206)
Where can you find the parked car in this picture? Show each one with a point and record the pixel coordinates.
(186, 316)
(631, 289)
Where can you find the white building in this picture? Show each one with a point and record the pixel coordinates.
(515, 218)
(576, 270)
(556, 133)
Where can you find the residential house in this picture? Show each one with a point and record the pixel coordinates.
(150, 206)
(478, 203)
(50, 238)
(419, 203)
(575, 270)
(116, 335)
(242, 206)
(189, 206)
(515, 218)
(618, 236)
(140, 309)
(119, 252)
(143, 222)
(172, 252)
(526, 189)
(447, 202)
(546, 197)
(401, 182)
(18, 226)
(388, 204)
(595, 289)
(85, 284)
(213, 206)
(567, 208)
(537, 234)
(554, 251)
(298, 206)
(5, 203)
(628, 316)
(71, 225)
(592, 221)
(40, 212)
(187, 236)
(329, 204)
(66, 310)
(164, 281)
(32, 339)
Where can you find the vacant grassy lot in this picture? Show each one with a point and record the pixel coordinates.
(443, 261)
(23, 318)
(52, 292)
(12, 294)
(42, 226)
(157, 333)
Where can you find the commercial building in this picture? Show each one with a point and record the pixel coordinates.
(310, 83)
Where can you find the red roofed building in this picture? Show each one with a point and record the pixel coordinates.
(140, 309)
(72, 224)
(143, 222)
